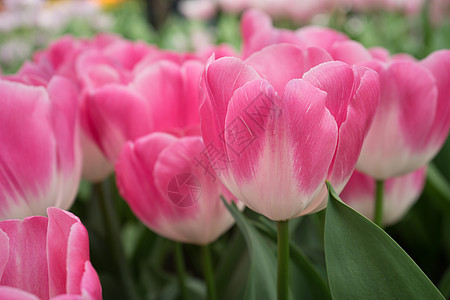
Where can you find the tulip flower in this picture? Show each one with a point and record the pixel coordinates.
(89, 64)
(40, 161)
(171, 187)
(413, 119)
(46, 258)
(163, 97)
(400, 194)
(258, 32)
(285, 120)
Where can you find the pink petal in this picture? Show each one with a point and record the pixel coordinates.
(172, 95)
(60, 252)
(252, 21)
(135, 178)
(278, 148)
(353, 130)
(220, 80)
(439, 64)
(115, 115)
(4, 251)
(402, 124)
(77, 256)
(351, 52)
(338, 81)
(64, 112)
(90, 283)
(127, 54)
(9, 293)
(189, 188)
(321, 37)
(27, 264)
(281, 63)
(27, 160)
(400, 194)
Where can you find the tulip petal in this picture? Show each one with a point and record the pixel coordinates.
(136, 164)
(115, 115)
(221, 78)
(9, 293)
(4, 251)
(27, 264)
(289, 62)
(402, 122)
(321, 37)
(26, 176)
(90, 283)
(439, 64)
(291, 138)
(77, 255)
(64, 112)
(60, 254)
(338, 80)
(194, 202)
(351, 52)
(353, 130)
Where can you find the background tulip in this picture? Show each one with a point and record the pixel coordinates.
(400, 193)
(286, 119)
(413, 119)
(40, 161)
(43, 258)
(171, 187)
(258, 32)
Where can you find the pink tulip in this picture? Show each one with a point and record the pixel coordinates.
(413, 119)
(171, 187)
(40, 161)
(47, 258)
(89, 64)
(163, 96)
(258, 32)
(285, 120)
(400, 193)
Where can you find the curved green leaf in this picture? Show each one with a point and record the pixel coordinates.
(262, 278)
(363, 262)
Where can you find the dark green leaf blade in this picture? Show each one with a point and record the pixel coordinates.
(363, 262)
(262, 277)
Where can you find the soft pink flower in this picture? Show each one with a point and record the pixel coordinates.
(163, 96)
(40, 161)
(400, 193)
(171, 187)
(413, 119)
(89, 64)
(46, 258)
(286, 119)
(258, 32)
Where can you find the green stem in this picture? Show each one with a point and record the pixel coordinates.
(283, 260)
(208, 272)
(379, 193)
(181, 269)
(113, 236)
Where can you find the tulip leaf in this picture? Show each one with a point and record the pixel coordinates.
(262, 277)
(363, 262)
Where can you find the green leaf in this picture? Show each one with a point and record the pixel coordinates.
(316, 284)
(363, 262)
(262, 277)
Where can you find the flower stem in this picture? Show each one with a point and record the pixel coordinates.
(179, 260)
(208, 272)
(283, 260)
(113, 236)
(379, 193)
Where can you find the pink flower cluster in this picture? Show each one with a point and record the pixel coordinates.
(264, 128)
(303, 11)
